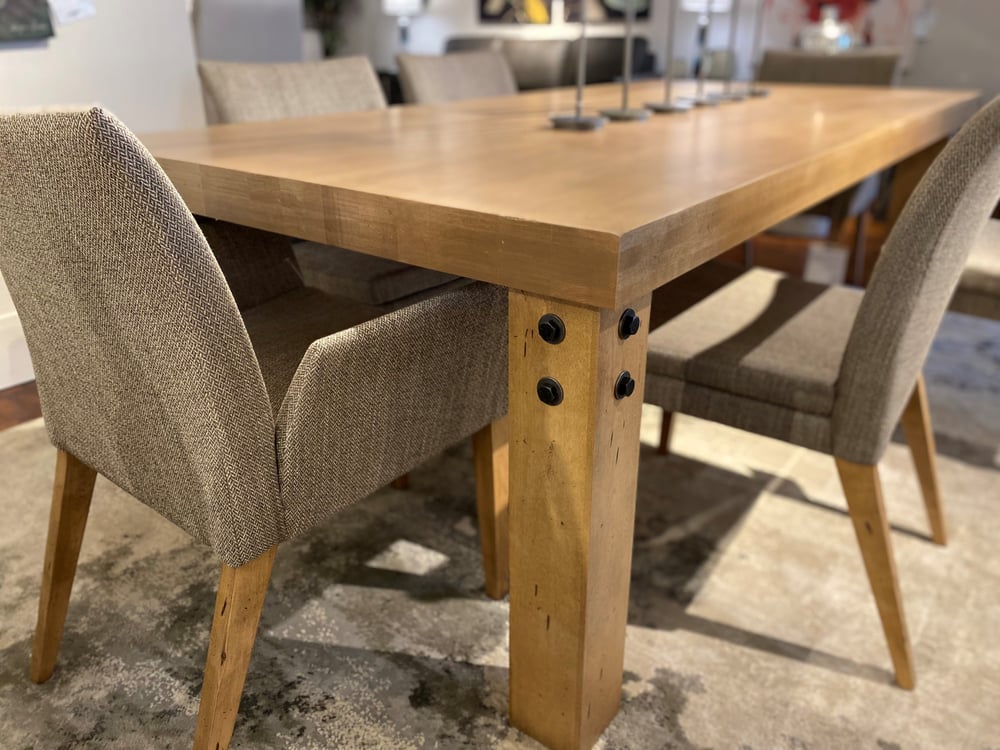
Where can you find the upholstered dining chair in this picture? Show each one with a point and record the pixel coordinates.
(834, 369)
(826, 220)
(436, 79)
(244, 428)
(978, 290)
(248, 92)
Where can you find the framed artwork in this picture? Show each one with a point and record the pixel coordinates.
(515, 11)
(24, 19)
(606, 11)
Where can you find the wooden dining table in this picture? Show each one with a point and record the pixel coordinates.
(578, 225)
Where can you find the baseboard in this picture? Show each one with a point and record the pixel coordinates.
(15, 362)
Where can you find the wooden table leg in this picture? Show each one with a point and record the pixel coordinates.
(573, 470)
(907, 176)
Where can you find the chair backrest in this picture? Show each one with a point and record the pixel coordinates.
(914, 279)
(246, 92)
(852, 68)
(434, 79)
(144, 366)
(536, 63)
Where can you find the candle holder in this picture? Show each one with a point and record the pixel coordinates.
(577, 120)
(729, 94)
(626, 113)
(758, 32)
(705, 9)
(669, 105)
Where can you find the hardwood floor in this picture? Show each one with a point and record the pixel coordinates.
(19, 404)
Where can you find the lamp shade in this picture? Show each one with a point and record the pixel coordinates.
(702, 6)
(402, 7)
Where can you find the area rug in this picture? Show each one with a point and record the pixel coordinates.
(751, 624)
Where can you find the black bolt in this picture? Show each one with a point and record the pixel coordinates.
(629, 324)
(550, 392)
(551, 329)
(624, 386)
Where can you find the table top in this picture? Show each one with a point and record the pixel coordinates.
(486, 189)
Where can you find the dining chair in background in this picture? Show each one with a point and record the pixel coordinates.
(250, 92)
(243, 427)
(826, 220)
(437, 79)
(978, 290)
(834, 369)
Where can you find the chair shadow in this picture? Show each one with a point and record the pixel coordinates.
(673, 556)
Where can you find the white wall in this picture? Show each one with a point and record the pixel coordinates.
(135, 57)
(961, 49)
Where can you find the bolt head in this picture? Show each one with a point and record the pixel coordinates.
(624, 386)
(629, 324)
(551, 329)
(549, 392)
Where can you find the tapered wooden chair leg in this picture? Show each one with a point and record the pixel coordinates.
(491, 458)
(665, 430)
(71, 494)
(919, 434)
(234, 629)
(864, 501)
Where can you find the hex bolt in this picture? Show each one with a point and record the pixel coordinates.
(624, 386)
(550, 391)
(551, 329)
(629, 324)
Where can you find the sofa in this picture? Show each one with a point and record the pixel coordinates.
(547, 63)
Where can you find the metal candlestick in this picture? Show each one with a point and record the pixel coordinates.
(758, 33)
(728, 94)
(578, 120)
(668, 105)
(701, 99)
(624, 113)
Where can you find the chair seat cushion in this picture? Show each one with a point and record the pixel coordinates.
(282, 329)
(766, 337)
(364, 278)
(982, 271)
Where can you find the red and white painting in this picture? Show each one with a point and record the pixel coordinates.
(882, 23)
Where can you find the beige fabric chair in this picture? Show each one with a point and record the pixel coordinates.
(436, 79)
(834, 370)
(244, 430)
(855, 68)
(978, 291)
(245, 92)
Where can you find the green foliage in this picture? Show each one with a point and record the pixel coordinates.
(327, 16)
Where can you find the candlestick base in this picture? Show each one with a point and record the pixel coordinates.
(577, 122)
(708, 100)
(732, 96)
(757, 91)
(625, 114)
(669, 108)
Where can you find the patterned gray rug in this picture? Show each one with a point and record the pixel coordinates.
(751, 621)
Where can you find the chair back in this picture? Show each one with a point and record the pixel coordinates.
(852, 68)
(247, 92)
(435, 79)
(144, 367)
(911, 286)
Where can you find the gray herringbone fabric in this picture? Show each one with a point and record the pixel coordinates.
(852, 68)
(829, 368)
(242, 92)
(248, 92)
(913, 281)
(258, 266)
(144, 368)
(147, 373)
(435, 79)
